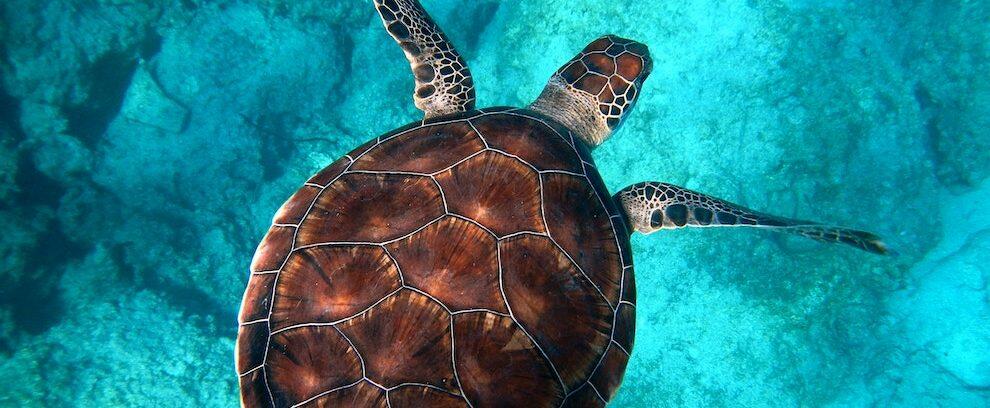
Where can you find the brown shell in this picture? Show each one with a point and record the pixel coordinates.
(475, 258)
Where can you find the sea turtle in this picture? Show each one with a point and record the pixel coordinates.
(473, 258)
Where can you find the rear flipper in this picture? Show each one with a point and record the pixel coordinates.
(652, 206)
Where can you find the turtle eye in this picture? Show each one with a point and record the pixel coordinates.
(656, 219)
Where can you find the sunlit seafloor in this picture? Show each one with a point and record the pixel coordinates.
(144, 147)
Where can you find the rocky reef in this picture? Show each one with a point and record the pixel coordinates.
(144, 146)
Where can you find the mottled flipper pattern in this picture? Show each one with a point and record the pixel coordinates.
(443, 82)
(653, 206)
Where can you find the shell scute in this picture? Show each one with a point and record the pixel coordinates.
(415, 151)
(495, 190)
(294, 209)
(414, 396)
(304, 362)
(462, 273)
(257, 298)
(362, 394)
(254, 340)
(584, 231)
(625, 326)
(494, 354)
(580, 327)
(363, 207)
(540, 144)
(607, 377)
(404, 339)
(329, 283)
(584, 397)
(331, 172)
(254, 391)
(273, 249)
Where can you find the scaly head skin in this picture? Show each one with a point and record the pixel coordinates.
(593, 92)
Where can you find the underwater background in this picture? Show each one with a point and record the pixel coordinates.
(145, 145)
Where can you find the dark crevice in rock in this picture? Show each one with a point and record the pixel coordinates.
(955, 154)
(4, 57)
(35, 188)
(277, 145)
(109, 77)
(35, 304)
(238, 226)
(189, 5)
(179, 233)
(150, 45)
(126, 272)
(193, 301)
(35, 300)
(281, 10)
(345, 53)
(483, 14)
(5, 35)
(346, 50)
(10, 115)
(33, 295)
(923, 97)
(933, 134)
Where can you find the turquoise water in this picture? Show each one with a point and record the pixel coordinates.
(145, 145)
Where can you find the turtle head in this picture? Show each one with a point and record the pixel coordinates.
(592, 93)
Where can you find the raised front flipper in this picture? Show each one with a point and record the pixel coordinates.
(652, 206)
(443, 82)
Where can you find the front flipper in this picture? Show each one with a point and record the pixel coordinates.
(443, 82)
(652, 206)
